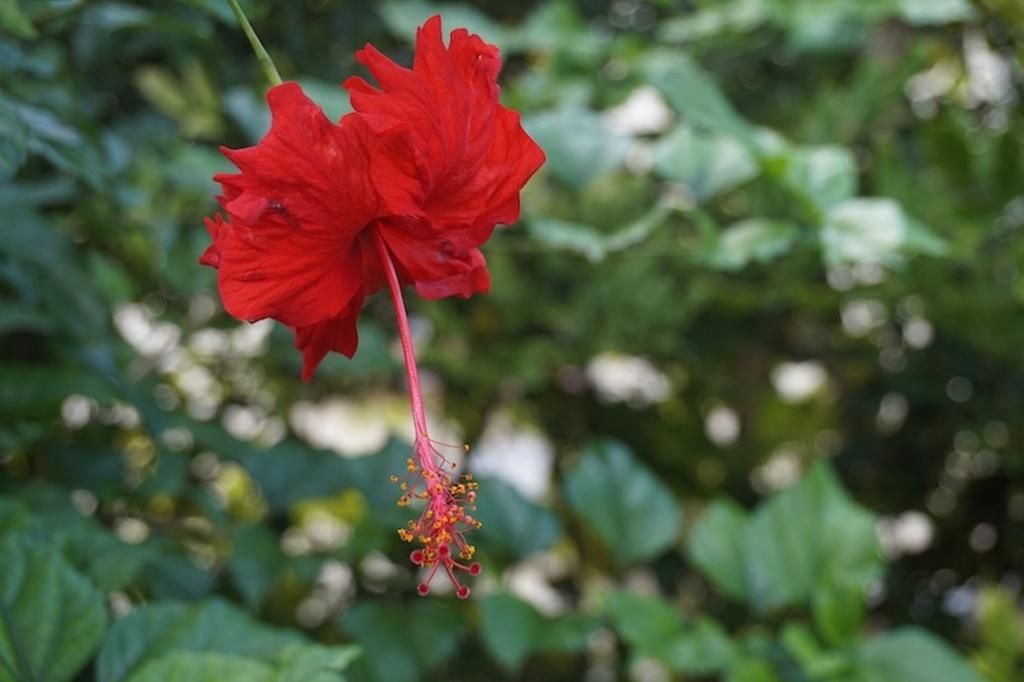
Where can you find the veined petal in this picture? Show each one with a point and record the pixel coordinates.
(436, 266)
(211, 256)
(304, 194)
(449, 152)
(334, 334)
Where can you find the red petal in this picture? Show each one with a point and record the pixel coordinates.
(337, 333)
(303, 196)
(211, 256)
(449, 151)
(436, 266)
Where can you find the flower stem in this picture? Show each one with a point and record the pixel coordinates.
(419, 418)
(266, 63)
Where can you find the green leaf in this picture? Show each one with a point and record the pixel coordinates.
(590, 242)
(644, 622)
(51, 618)
(14, 515)
(809, 537)
(13, 137)
(157, 630)
(623, 502)
(751, 670)
(568, 633)
(826, 175)
(839, 611)
(314, 662)
(705, 162)
(815, 662)
(911, 655)
(755, 240)
(724, 16)
(652, 628)
(580, 148)
(696, 96)
(108, 561)
(190, 666)
(874, 230)
(12, 20)
(936, 12)
(1000, 632)
(295, 662)
(403, 642)
(514, 527)
(510, 628)
(256, 561)
(703, 649)
(717, 545)
(172, 575)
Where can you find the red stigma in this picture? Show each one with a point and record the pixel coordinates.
(444, 519)
(423, 589)
(462, 592)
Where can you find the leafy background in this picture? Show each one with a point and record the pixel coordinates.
(745, 401)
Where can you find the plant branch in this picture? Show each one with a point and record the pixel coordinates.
(266, 63)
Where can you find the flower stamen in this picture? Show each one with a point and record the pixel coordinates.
(445, 517)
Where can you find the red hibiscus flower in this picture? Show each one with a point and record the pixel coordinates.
(430, 162)
(404, 190)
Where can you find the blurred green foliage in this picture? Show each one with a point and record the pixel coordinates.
(764, 307)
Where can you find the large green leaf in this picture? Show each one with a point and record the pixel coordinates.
(403, 643)
(751, 670)
(580, 148)
(623, 502)
(513, 630)
(157, 630)
(592, 243)
(514, 527)
(654, 629)
(826, 175)
(755, 240)
(809, 537)
(723, 16)
(314, 662)
(873, 230)
(295, 663)
(51, 618)
(256, 561)
(694, 94)
(936, 12)
(717, 544)
(191, 666)
(911, 655)
(706, 163)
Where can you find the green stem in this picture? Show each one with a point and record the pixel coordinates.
(266, 63)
